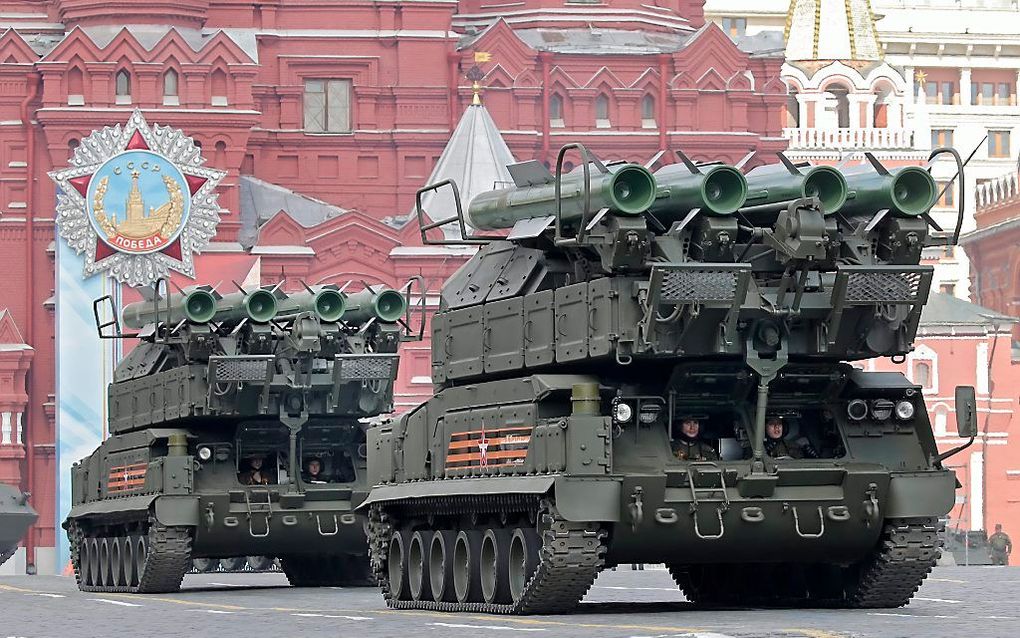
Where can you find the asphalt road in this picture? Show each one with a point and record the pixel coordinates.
(969, 602)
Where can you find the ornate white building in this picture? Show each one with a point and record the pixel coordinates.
(897, 77)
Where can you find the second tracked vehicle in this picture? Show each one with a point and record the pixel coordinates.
(237, 428)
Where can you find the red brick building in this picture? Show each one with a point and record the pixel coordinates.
(338, 112)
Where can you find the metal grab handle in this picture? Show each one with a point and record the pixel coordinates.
(802, 534)
(838, 513)
(561, 323)
(336, 526)
(666, 516)
(710, 537)
(752, 514)
(251, 515)
(487, 339)
(526, 331)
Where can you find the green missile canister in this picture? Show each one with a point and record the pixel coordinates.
(326, 302)
(715, 189)
(772, 187)
(906, 191)
(196, 305)
(384, 304)
(259, 306)
(625, 189)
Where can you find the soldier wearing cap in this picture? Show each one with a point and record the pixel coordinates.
(1001, 546)
(254, 475)
(777, 446)
(689, 446)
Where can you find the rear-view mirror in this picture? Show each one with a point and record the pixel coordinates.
(966, 411)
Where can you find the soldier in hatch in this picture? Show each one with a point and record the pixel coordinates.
(689, 446)
(254, 475)
(777, 446)
(313, 472)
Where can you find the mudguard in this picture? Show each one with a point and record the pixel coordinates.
(921, 494)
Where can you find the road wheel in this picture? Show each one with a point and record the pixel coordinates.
(95, 566)
(466, 549)
(234, 564)
(205, 565)
(417, 566)
(85, 562)
(396, 565)
(127, 548)
(141, 555)
(117, 562)
(105, 567)
(494, 565)
(522, 561)
(260, 563)
(441, 566)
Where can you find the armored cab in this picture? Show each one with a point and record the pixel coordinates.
(16, 516)
(237, 428)
(670, 369)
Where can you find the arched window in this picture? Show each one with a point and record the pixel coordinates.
(837, 106)
(123, 87)
(218, 84)
(922, 374)
(556, 110)
(648, 111)
(880, 111)
(170, 79)
(602, 111)
(75, 87)
(220, 156)
(72, 144)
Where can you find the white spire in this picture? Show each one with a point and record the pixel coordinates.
(476, 158)
(831, 30)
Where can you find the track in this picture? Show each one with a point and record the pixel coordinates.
(559, 571)
(889, 577)
(144, 559)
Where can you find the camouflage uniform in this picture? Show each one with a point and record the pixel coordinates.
(694, 450)
(1001, 547)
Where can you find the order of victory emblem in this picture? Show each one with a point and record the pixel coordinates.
(137, 202)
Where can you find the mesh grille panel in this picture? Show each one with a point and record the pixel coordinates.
(883, 287)
(241, 368)
(698, 285)
(363, 367)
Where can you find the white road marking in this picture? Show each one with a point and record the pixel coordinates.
(115, 602)
(881, 613)
(308, 615)
(47, 595)
(939, 600)
(676, 589)
(948, 580)
(228, 585)
(213, 611)
(490, 627)
(1001, 617)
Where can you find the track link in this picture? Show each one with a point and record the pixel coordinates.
(570, 558)
(906, 554)
(167, 559)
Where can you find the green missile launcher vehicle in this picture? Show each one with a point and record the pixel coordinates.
(677, 385)
(237, 436)
(16, 516)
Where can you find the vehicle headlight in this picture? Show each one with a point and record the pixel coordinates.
(904, 410)
(857, 409)
(881, 409)
(622, 412)
(649, 413)
(204, 453)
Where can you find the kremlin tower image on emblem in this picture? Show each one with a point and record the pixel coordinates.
(162, 221)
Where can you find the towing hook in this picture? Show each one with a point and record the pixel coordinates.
(210, 515)
(871, 508)
(636, 508)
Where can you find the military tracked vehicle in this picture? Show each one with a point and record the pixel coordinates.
(16, 516)
(628, 318)
(237, 428)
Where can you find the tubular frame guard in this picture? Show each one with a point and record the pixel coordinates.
(851, 290)
(465, 238)
(960, 165)
(587, 159)
(422, 292)
(730, 287)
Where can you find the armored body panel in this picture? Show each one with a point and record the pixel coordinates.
(675, 387)
(237, 429)
(16, 516)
